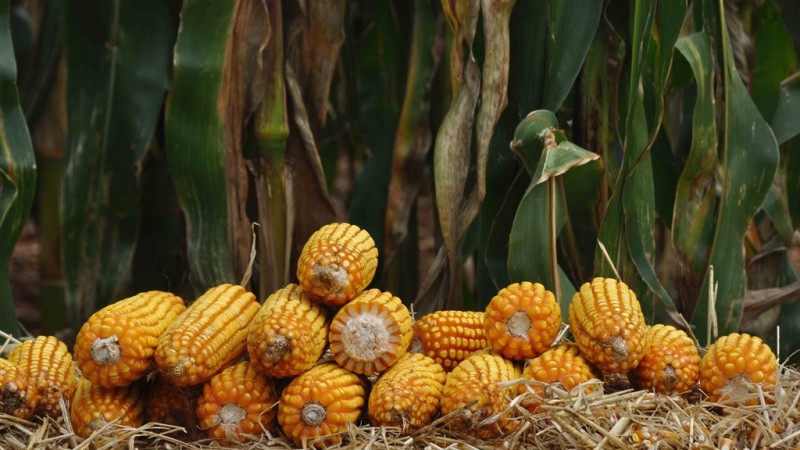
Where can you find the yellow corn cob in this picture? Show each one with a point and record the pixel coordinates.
(173, 405)
(337, 262)
(607, 322)
(474, 386)
(735, 366)
(94, 407)
(115, 346)
(449, 337)
(522, 320)
(670, 365)
(371, 332)
(561, 364)
(49, 367)
(17, 393)
(236, 405)
(288, 335)
(209, 335)
(408, 394)
(319, 404)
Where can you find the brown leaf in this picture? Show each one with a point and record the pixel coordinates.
(451, 164)
(248, 36)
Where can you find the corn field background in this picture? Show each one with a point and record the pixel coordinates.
(154, 144)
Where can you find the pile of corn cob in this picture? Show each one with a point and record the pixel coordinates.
(228, 367)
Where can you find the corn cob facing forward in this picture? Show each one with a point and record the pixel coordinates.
(288, 335)
(408, 394)
(561, 364)
(209, 335)
(321, 402)
(115, 347)
(370, 333)
(735, 367)
(475, 386)
(48, 364)
(606, 319)
(17, 392)
(94, 407)
(236, 405)
(337, 262)
(449, 337)
(671, 364)
(522, 320)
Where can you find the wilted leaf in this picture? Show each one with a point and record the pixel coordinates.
(451, 162)
(414, 136)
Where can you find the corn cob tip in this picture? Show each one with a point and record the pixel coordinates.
(279, 348)
(365, 337)
(313, 414)
(330, 276)
(106, 350)
(519, 324)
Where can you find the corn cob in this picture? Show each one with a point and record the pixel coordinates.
(321, 403)
(370, 333)
(735, 366)
(522, 320)
(474, 386)
(209, 335)
(288, 335)
(94, 407)
(606, 319)
(671, 364)
(173, 405)
(408, 394)
(561, 364)
(17, 393)
(236, 405)
(49, 367)
(337, 262)
(449, 337)
(115, 346)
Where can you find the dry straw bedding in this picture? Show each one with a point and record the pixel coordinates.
(621, 419)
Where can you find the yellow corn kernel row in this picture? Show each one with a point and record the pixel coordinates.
(48, 364)
(671, 364)
(236, 405)
(209, 335)
(17, 393)
(522, 320)
(562, 364)
(608, 325)
(115, 347)
(735, 366)
(370, 333)
(449, 337)
(474, 385)
(174, 405)
(321, 402)
(337, 262)
(408, 394)
(94, 407)
(288, 335)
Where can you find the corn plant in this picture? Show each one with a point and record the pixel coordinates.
(479, 142)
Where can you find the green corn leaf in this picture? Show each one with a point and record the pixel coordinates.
(571, 27)
(785, 124)
(118, 55)
(747, 177)
(377, 65)
(793, 180)
(695, 198)
(17, 168)
(775, 57)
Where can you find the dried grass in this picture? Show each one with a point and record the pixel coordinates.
(597, 420)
